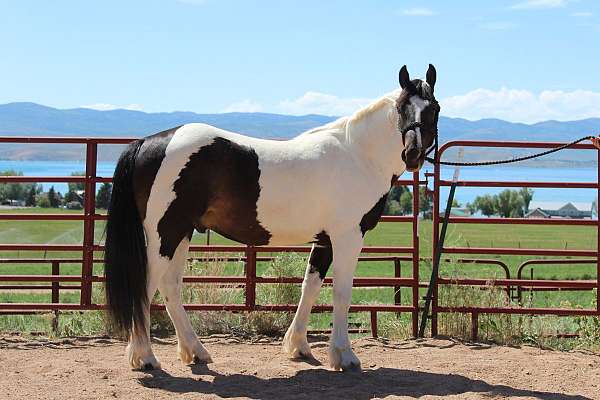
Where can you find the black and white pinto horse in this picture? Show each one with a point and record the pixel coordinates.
(258, 192)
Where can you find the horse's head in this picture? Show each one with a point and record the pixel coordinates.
(418, 112)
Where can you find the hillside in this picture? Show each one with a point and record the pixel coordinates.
(31, 119)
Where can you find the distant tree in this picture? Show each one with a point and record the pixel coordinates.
(405, 203)
(392, 208)
(70, 196)
(74, 187)
(12, 191)
(31, 201)
(425, 203)
(486, 204)
(393, 200)
(103, 196)
(396, 192)
(42, 201)
(53, 198)
(471, 207)
(526, 194)
(455, 203)
(509, 204)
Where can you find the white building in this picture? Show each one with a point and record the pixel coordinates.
(554, 209)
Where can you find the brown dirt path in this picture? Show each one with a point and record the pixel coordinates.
(94, 368)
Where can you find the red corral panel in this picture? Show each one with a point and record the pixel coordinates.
(249, 254)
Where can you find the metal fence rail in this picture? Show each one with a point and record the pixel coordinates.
(249, 280)
(89, 251)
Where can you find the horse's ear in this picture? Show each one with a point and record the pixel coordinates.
(431, 76)
(405, 82)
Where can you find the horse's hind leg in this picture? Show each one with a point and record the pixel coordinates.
(139, 350)
(189, 348)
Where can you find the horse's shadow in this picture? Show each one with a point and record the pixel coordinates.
(323, 383)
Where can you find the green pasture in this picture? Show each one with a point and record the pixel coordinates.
(386, 234)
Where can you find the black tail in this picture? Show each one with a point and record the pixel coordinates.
(125, 253)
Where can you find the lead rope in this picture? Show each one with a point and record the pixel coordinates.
(595, 141)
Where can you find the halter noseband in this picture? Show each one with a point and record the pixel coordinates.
(412, 127)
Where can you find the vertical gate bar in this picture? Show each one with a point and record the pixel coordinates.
(415, 255)
(55, 293)
(397, 274)
(434, 242)
(374, 332)
(250, 277)
(89, 210)
(55, 284)
(474, 326)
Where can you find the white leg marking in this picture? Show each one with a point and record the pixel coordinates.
(295, 343)
(139, 350)
(189, 348)
(346, 249)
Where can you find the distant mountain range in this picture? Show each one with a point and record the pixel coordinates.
(31, 119)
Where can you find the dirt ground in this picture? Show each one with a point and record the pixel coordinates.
(94, 368)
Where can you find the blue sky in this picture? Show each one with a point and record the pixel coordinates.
(521, 60)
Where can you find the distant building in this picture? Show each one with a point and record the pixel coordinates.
(458, 212)
(13, 203)
(559, 210)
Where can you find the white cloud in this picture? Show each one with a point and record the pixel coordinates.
(418, 12)
(539, 4)
(244, 106)
(582, 14)
(523, 105)
(508, 104)
(108, 107)
(321, 103)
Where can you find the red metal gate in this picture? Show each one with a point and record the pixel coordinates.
(517, 283)
(89, 248)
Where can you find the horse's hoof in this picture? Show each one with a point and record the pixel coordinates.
(352, 367)
(148, 367)
(343, 359)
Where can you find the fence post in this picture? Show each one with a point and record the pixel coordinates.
(415, 255)
(55, 284)
(250, 277)
(474, 326)
(598, 237)
(55, 293)
(374, 332)
(89, 210)
(434, 242)
(397, 289)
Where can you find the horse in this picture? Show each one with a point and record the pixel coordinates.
(328, 186)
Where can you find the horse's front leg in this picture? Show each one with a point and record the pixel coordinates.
(295, 343)
(346, 249)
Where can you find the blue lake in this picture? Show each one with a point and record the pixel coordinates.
(512, 173)
(463, 194)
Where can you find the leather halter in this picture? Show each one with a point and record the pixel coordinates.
(414, 125)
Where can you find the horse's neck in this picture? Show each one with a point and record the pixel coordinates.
(375, 140)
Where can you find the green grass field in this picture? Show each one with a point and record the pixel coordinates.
(386, 234)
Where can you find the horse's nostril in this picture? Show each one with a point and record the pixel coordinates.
(412, 154)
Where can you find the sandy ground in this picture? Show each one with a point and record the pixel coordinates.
(94, 368)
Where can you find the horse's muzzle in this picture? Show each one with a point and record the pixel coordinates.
(411, 155)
